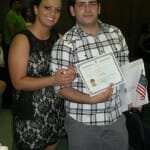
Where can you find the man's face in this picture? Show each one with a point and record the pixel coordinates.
(85, 11)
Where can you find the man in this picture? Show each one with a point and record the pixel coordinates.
(92, 123)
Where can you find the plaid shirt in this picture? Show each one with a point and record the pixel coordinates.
(76, 46)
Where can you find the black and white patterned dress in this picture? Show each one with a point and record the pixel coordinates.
(38, 115)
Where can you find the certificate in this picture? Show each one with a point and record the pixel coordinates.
(99, 72)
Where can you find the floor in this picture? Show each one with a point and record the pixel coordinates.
(6, 136)
(6, 128)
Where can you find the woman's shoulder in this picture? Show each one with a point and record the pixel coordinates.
(24, 34)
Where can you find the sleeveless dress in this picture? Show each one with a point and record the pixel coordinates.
(38, 115)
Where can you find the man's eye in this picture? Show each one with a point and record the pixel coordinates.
(80, 5)
(93, 3)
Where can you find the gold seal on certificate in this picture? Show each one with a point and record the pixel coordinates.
(99, 72)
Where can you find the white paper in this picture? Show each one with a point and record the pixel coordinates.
(3, 148)
(132, 72)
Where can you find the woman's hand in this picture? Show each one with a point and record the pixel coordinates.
(64, 76)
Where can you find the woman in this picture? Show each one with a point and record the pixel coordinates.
(38, 114)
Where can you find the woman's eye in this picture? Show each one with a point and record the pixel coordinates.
(58, 10)
(47, 8)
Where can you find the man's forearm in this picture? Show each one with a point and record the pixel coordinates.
(83, 98)
(75, 96)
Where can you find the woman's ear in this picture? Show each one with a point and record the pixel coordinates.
(35, 10)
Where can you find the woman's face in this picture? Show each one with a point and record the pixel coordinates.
(48, 12)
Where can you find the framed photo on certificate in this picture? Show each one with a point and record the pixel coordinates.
(99, 72)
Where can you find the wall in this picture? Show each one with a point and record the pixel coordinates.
(4, 6)
(128, 15)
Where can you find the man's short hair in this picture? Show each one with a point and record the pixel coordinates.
(72, 2)
(36, 2)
